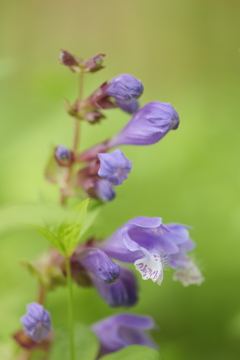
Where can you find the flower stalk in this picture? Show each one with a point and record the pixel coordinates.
(70, 309)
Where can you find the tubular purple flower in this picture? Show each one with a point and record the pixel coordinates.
(114, 167)
(149, 125)
(99, 265)
(37, 322)
(151, 245)
(124, 88)
(104, 190)
(121, 293)
(129, 107)
(119, 331)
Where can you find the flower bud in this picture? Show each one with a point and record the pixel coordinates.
(114, 167)
(124, 88)
(64, 156)
(37, 322)
(149, 125)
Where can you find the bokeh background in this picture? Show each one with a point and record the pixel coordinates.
(185, 52)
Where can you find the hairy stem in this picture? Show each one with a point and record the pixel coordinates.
(70, 309)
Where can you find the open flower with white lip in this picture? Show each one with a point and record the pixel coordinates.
(151, 245)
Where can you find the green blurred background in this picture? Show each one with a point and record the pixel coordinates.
(185, 52)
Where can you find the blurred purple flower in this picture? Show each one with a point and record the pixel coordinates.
(149, 125)
(114, 167)
(119, 331)
(129, 107)
(37, 322)
(124, 88)
(151, 245)
(99, 265)
(104, 190)
(121, 293)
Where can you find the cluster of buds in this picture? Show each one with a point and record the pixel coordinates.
(97, 171)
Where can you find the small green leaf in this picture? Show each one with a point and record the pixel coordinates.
(134, 352)
(86, 344)
(91, 216)
(71, 227)
(54, 241)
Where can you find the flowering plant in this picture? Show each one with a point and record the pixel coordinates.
(92, 175)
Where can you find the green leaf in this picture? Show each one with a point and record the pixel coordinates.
(86, 344)
(54, 241)
(71, 227)
(134, 352)
(91, 216)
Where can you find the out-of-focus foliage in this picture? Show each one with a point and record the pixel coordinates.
(186, 53)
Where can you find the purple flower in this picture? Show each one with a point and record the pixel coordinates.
(63, 156)
(115, 284)
(149, 125)
(114, 167)
(124, 88)
(99, 265)
(104, 190)
(121, 293)
(151, 245)
(119, 331)
(37, 322)
(129, 107)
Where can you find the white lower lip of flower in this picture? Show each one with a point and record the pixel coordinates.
(188, 275)
(150, 267)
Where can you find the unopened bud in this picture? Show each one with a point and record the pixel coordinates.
(64, 156)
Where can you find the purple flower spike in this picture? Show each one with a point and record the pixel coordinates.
(149, 125)
(37, 322)
(129, 107)
(124, 88)
(104, 190)
(121, 293)
(119, 331)
(99, 265)
(151, 245)
(114, 167)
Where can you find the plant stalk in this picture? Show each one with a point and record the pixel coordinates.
(77, 121)
(70, 310)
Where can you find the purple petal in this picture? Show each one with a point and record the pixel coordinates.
(123, 330)
(99, 265)
(124, 87)
(121, 293)
(114, 167)
(129, 107)
(37, 322)
(104, 190)
(149, 125)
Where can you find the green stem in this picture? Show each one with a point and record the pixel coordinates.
(70, 309)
